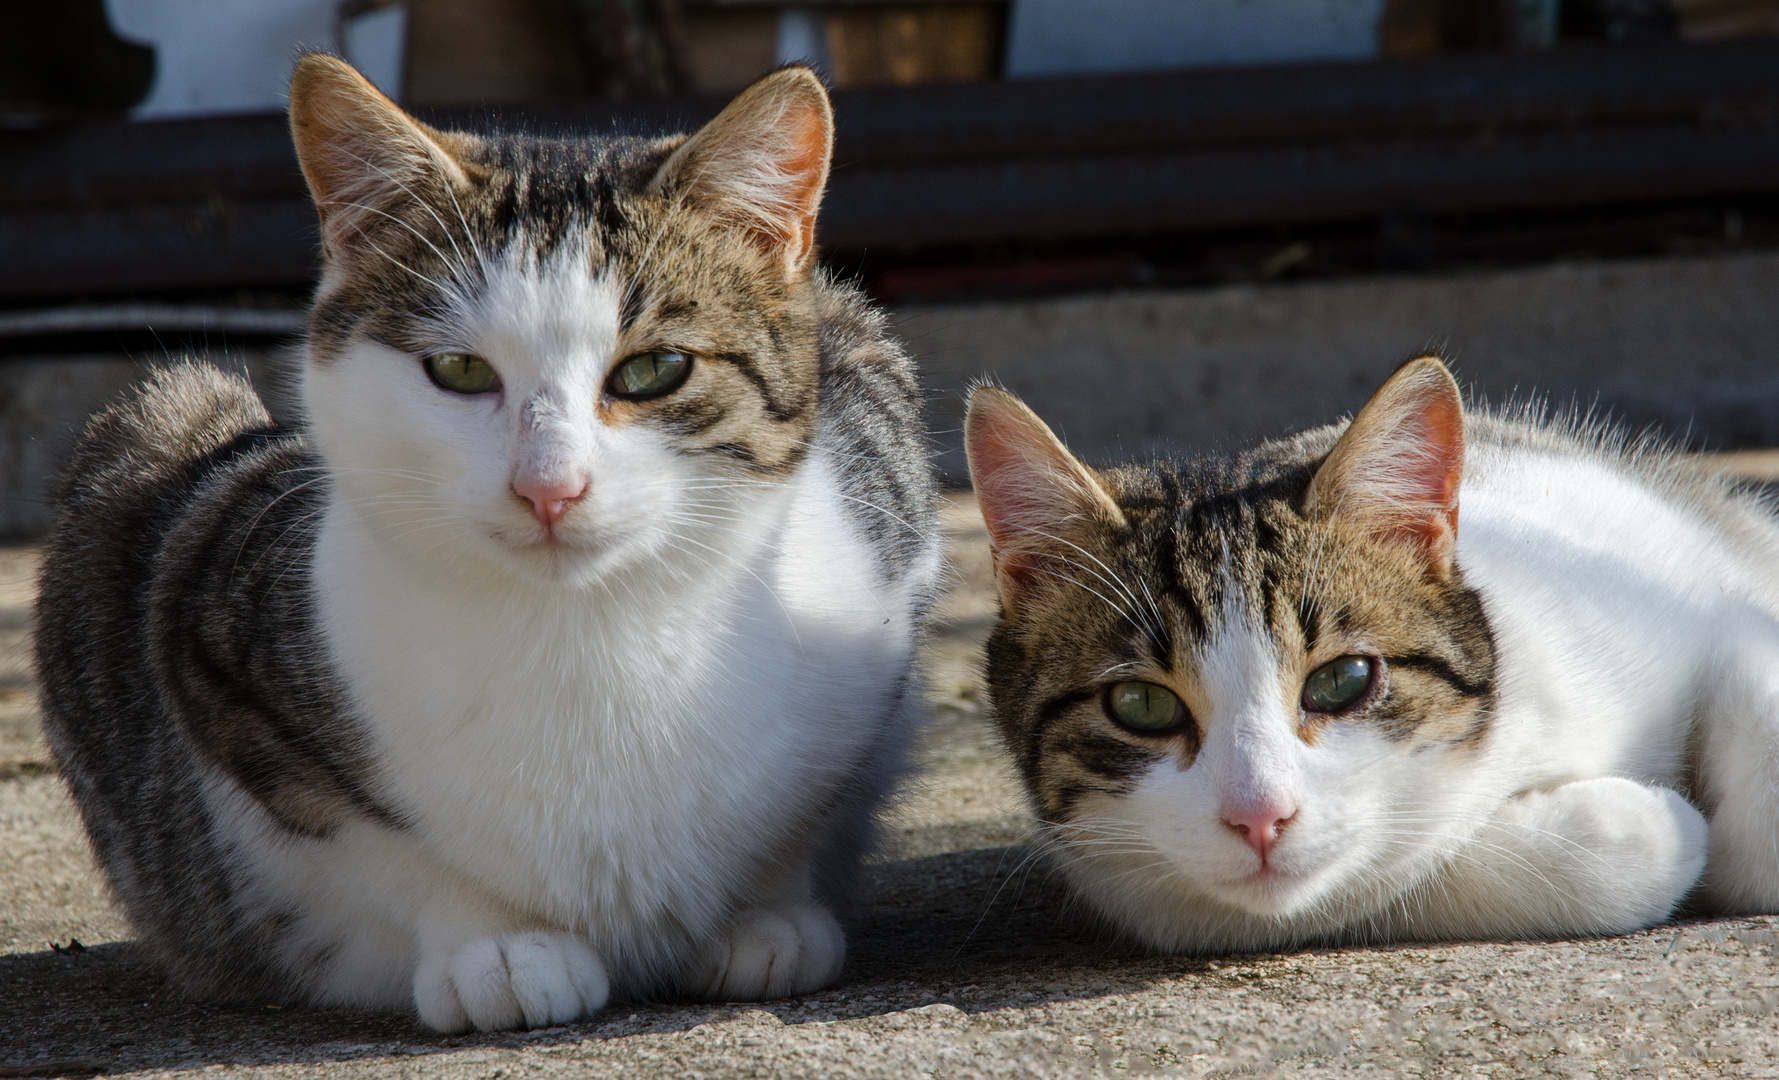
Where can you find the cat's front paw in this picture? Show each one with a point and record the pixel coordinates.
(525, 980)
(773, 952)
(1627, 853)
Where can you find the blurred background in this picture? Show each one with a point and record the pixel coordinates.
(1175, 224)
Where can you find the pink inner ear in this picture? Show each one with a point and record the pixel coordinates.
(1022, 484)
(1428, 476)
(1003, 474)
(803, 164)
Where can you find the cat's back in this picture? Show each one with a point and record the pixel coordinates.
(132, 476)
(870, 424)
(1593, 504)
(172, 582)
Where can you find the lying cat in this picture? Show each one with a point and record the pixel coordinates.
(565, 650)
(1430, 674)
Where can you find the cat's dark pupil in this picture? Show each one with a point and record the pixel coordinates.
(1142, 706)
(1335, 685)
(650, 374)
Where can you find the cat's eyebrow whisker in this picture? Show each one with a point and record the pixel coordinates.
(443, 289)
(1083, 586)
(1154, 608)
(1123, 667)
(468, 232)
(454, 291)
(1111, 583)
(1109, 577)
(392, 178)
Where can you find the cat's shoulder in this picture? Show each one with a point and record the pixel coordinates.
(1530, 439)
(871, 428)
(856, 340)
(175, 417)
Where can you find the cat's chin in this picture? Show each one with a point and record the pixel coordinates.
(1271, 892)
(558, 561)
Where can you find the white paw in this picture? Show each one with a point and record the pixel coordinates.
(525, 980)
(774, 952)
(1628, 853)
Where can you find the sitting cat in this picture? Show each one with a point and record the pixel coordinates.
(565, 649)
(1297, 696)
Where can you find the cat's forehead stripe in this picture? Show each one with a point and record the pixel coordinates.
(1244, 543)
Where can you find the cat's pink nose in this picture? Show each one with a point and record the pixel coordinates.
(1259, 825)
(549, 499)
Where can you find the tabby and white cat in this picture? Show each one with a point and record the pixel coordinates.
(1289, 698)
(566, 649)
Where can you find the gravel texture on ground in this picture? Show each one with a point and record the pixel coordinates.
(966, 961)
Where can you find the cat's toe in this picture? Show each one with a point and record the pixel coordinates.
(555, 977)
(772, 953)
(525, 980)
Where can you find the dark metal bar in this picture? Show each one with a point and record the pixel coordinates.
(1718, 85)
(134, 208)
(158, 248)
(169, 161)
(1710, 85)
(1060, 198)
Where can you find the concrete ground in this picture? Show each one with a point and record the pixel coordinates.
(966, 960)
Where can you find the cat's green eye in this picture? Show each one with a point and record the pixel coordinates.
(1336, 685)
(649, 374)
(1144, 707)
(461, 373)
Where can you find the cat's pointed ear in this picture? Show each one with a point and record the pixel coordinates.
(1041, 505)
(360, 153)
(1397, 469)
(762, 163)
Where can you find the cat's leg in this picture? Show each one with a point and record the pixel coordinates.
(366, 918)
(481, 968)
(786, 943)
(1600, 856)
(785, 940)
(1738, 784)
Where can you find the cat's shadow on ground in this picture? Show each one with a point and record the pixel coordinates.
(978, 930)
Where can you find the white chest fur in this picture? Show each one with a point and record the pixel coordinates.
(609, 757)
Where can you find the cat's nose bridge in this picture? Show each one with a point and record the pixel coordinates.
(1254, 760)
(549, 410)
(551, 466)
(553, 428)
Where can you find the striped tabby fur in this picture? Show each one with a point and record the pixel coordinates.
(1550, 676)
(490, 703)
